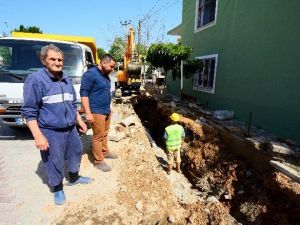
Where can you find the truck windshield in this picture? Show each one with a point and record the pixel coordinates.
(18, 58)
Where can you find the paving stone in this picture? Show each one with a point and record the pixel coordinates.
(116, 136)
(293, 174)
(281, 148)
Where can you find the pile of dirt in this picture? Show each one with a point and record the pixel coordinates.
(253, 194)
(250, 198)
(140, 190)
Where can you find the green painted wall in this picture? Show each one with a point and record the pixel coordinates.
(258, 69)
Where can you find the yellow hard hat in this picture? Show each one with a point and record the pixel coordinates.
(175, 117)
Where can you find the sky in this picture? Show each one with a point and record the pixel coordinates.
(103, 20)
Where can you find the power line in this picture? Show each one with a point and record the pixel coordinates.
(148, 13)
(152, 14)
(165, 7)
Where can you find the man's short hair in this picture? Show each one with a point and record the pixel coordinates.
(106, 58)
(45, 49)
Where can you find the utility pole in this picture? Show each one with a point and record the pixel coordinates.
(125, 23)
(139, 38)
(4, 34)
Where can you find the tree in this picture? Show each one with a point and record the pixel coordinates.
(190, 67)
(30, 29)
(101, 52)
(167, 55)
(143, 50)
(117, 49)
(5, 56)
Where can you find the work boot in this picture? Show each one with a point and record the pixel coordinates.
(178, 168)
(59, 197)
(103, 166)
(169, 169)
(82, 180)
(111, 155)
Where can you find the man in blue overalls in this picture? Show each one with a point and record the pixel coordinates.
(51, 114)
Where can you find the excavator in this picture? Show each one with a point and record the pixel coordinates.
(129, 73)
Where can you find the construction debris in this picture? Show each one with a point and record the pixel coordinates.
(293, 174)
(281, 148)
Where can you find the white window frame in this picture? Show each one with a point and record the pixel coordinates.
(204, 89)
(197, 29)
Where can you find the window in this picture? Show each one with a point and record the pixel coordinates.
(205, 76)
(21, 57)
(5, 56)
(89, 58)
(206, 13)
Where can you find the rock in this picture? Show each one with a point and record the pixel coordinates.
(258, 142)
(240, 192)
(120, 128)
(116, 118)
(132, 130)
(172, 104)
(227, 197)
(207, 211)
(128, 121)
(88, 222)
(277, 159)
(139, 206)
(171, 219)
(281, 148)
(192, 105)
(201, 121)
(212, 199)
(153, 145)
(286, 170)
(176, 100)
(116, 136)
(248, 173)
(223, 114)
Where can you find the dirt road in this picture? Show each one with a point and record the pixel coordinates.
(136, 191)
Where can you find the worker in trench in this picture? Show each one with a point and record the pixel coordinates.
(174, 135)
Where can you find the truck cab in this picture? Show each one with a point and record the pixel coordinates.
(20, 56)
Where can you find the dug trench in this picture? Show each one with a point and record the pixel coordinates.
(227, 168)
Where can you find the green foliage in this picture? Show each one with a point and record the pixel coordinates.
(117, 49)
(5, 56)
(167, 55)
(101, 52)
(143, 50)
(189, 68)
(149, 71)
(30, 29)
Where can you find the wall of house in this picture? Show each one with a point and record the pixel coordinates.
(258, 70)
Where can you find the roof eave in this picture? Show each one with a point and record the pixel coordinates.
(176, 30)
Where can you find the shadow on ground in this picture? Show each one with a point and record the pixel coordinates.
(18, 133)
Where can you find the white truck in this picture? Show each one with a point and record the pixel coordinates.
(19, 56)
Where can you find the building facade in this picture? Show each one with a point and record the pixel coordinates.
(250, 55)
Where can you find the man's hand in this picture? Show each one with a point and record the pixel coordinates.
(41, 143)
(40, 140)
(90, 118)
(82, 127)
